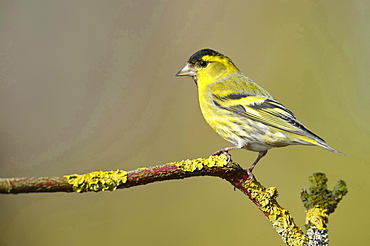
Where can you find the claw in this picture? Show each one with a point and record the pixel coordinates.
(225, 151)
(220, 152)
(250, 174)
(249, 169)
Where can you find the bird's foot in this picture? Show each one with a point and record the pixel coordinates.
(249, 173)
(249, 169)
(224, 152)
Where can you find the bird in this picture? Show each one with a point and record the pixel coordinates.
(241, 111)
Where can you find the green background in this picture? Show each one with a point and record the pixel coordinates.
(89, 85)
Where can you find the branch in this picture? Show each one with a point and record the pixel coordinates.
(263, 198)
(319, 203)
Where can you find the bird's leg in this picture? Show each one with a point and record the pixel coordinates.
(225, 151)
(249, 169)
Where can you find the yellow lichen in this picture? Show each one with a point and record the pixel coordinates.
(278, 216)
(198, 164)
(97, 181)
(216, 161)
(317, 216)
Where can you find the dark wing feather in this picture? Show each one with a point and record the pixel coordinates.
(265, 110)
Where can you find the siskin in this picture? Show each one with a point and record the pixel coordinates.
(241, 111)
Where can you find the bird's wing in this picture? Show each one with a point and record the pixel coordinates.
(265, 110)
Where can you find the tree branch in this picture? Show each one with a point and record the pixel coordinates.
(319, 202)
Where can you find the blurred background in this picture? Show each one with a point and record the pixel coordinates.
(89, 85)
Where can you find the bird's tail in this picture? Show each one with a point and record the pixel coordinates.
(325, 146)
(317, 141)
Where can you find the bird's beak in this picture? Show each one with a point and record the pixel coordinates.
(188, 70)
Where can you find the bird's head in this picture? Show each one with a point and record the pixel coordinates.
(207, 66)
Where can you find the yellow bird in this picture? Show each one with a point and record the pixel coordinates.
(241, 111)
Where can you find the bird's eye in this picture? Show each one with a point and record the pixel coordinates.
(203, 63)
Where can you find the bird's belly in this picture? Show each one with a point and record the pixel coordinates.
(248, 134)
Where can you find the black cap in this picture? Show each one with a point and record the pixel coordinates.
(204, 52)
